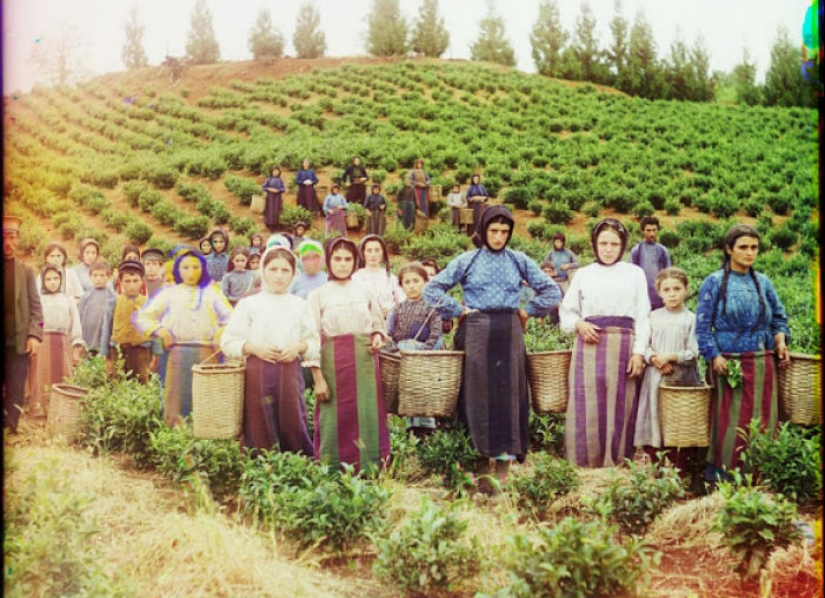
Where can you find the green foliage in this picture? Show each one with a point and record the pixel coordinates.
(634, 502)
(163, 177)
(546, 337)
(201, 43)
(557, 212)
(429, 553)
(550, 478)
(148, 198)
(241, 226)
(753, 523)
(450, 454)
(133, 190)
(138, 232)
(291, 215)
(546, 432)
(574, 559)
(437, 242)
(309, 41)
(360, 213)
(518, 197)
(491, 45)
(786, 462)
(430, 37)
(387, 30)
(265, 42)
(242, 188)
(192, 227)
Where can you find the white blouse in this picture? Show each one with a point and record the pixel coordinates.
(348, 308)
(384, 286)
(60, 314)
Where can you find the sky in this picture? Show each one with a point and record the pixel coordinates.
(727, 26)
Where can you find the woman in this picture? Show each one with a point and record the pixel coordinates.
(355, 176)
(375, 274)
(740, 325)
(306, 181)
(493, 401)
(563, 260)
(477, 197)
(335, 211)
(406, 205)
(274, 330)
(350, 416)
(421, 184)
(275, 188)
(56, 255)
(608, 309)
(89, 254)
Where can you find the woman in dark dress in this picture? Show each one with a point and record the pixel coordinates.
(306, 180)
(355, 177)
(274, 188)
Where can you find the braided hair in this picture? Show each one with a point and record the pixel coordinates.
(734, 234)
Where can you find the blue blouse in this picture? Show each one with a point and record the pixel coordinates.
(306, 175)
(274, 182)
(334, 200)
(477, 191)
(737, 330)
(492, 281)
(216, 264)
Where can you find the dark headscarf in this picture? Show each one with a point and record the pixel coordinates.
(340, 243)
(618, 228)
(487, 217)
(52, 268)
(385, 255)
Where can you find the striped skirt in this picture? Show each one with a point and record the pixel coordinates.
(337, 223)
(601, 410)
(494, 402)
(351, 425)
(757, 397)
(307, 198)
(274, 412)
(177, 382)
(51, 365)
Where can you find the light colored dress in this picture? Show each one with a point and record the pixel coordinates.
(383, 285)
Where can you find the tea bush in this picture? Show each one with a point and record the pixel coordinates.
(291, 215)
(242, 188)
(754, 523)
(450, 454)
(138, 232)
(551, 477)
(546, 432)
(192, 227)
(787, 461)
(574, 558)
(429, 552)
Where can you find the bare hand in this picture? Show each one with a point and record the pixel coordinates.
(377, 343)
(636, 365)
(720, 365)
(32, 346)
(523, 317)
(321, 388)
(781, 350)
(268, 353)
(588, 332)
(290, 353)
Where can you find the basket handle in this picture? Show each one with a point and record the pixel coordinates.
(429, 315)
(210, 357)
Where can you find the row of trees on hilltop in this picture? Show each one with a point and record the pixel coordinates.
(630, 62)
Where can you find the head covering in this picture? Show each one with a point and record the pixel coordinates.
(335, 186)
(154, 254)
(49, 268)
(560, 237)
(492, 212)
(340, 243)
(11, 224)
(86, 242)
(183, 252)
(279, 239)
(51, 247)
(618, 228)
(310, 246)
(201, 242)
(385, 255)
(300, 223)
(133, 266)
(223, 233)
(280, 250)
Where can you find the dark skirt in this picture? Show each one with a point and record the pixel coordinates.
(407, 208)
(376, 222)
(272, 211)
(422, 196)
(177, 383)
(307, 198)
(274, 412)
(351, 425)
(137, 362)
(356, 193)
(493, 401)
(336, 223)
(601, 409)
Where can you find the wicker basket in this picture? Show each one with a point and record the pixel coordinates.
(390, 365)
(258, 204)
(547, 372)
(465, 216)
(800, 389)
(422, 222)
(217, 399)
(429, 382)
(65, 408)
(684, 413)
(352, 221)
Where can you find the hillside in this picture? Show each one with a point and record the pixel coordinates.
(73, 154)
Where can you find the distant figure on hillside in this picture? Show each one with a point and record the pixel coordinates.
(421, 184)
(477, 197)
(335, 209)
(275, 188)
(456, 202)
(651, 257)
(355, 177)
(376, 206)
(406, 205)
(563, 261)
(306, 180)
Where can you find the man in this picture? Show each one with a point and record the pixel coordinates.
(651, 257)
(23, 322)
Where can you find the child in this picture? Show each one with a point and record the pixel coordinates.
(456, 202)
(549, 268)
(62, 339)
(311, 253)
(256, 243)
(414, 326)
(298, 232)
(447, 324)
(376, 206)
(673, 353)
(56, 255)
(274, 331)
(238, 280)
(218, 261)
(93, 305)
(350, 416)
(377, 279)
(89, 254)
(275, 188)
(188, 318)
(119, 330)
(153, 268)
(253, 265)
(129, 253)
(205, 246)
(335, 208)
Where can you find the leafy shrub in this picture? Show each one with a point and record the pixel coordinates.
(551, 477)
(220, 213)
(133, 190)
(242, 188)
(148, 198)
(535, 206)
(635, 502)
(138, 232)
(193, 192)
(643, 208)
(783, 237)
(786, 461)
(437, 242)
(165, 212)
(429, 552)
(518, 197)
(669, 238)
(378, 175)
(573, 559)
(396, 238)
(291, 215)
(115, 219)
(557, 212)
(450, 454)
(546, 432)
(193, 227)
(163, 177)
(360, 213)
(753, 523)
(241, 226)
(672, 207)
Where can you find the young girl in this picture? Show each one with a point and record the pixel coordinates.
(238, 280)
(335, 209)
(375, 274)
(254, 266)
(62, 339)
(275, 188)
(256, 243)
(218, 261)
(89, 254)
(55, 254)
(376, 205)
(456, 202)
(673, 353)
(188, 318)
(274, 331)
(350, 416)
(205, 246)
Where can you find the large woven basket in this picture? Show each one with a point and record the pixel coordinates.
(421, 223)
(429, 382)
(352, 221)
(390, 365)
(258, 204)
(800, 389)
(684, 413)
(65, 409)
(547, 373)
(217, 399)
(466, 216)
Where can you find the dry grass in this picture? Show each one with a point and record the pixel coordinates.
(688, 524)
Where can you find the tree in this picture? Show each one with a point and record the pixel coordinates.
(201, 43)
(58, 59)
(643, 72)
(308, 39)
(618, 51)
(701, 81)
(677, 71)
(547, 40)
(744, 81)
(491, 45)
(264, 40)
(430, 36)
(592, 61)
(133, 54)
(785, 83)
(387, 33)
